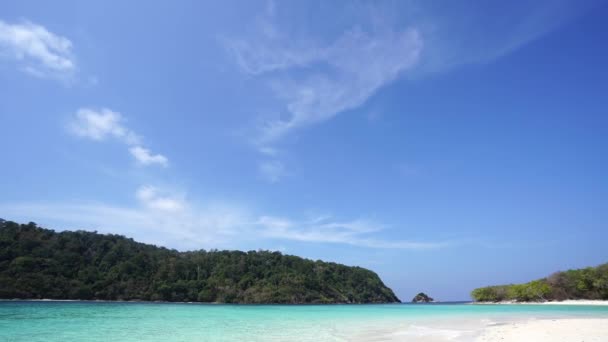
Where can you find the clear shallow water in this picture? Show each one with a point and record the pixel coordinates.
(99, 321)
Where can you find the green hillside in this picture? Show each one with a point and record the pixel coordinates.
(41, 263)
(586, 283)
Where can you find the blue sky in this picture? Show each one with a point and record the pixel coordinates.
(444, 145)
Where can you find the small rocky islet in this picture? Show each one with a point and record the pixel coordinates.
(422, 298)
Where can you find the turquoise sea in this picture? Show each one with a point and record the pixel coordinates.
(105, 321)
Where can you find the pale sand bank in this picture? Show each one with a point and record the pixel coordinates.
(563, 302)
(486, 330)
(549, 330)
(579, 302)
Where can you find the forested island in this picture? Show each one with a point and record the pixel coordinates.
(588, 283)
(38, 263)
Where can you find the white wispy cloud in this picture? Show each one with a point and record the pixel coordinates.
(325, 230)
(169, 219)
(145, 157)
(38, 51)
(354, 67)
(152, 198)
(321, 69)
(315, 80)
(101, 124)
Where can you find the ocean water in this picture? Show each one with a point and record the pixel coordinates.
(104, 321)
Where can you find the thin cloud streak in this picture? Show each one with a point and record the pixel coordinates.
(356, 233)
(152, 198)
(145, 157)
(102, 124)
(169, 220)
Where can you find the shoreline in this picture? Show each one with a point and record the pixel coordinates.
(563, 302)
(47, 300)
(583, 302)
(547, 330)
(363, 324)
(96, 301)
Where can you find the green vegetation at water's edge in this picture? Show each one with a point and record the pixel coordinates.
(586, 283)
(39, 263)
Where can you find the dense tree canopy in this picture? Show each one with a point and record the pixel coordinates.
(41, 263)
(586, 283)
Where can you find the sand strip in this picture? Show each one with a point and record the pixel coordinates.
(563, 302)
(549, 330)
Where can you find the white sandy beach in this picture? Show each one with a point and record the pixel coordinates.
(563, 302)
(549, 330)
(486, 330)
(578, 302)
